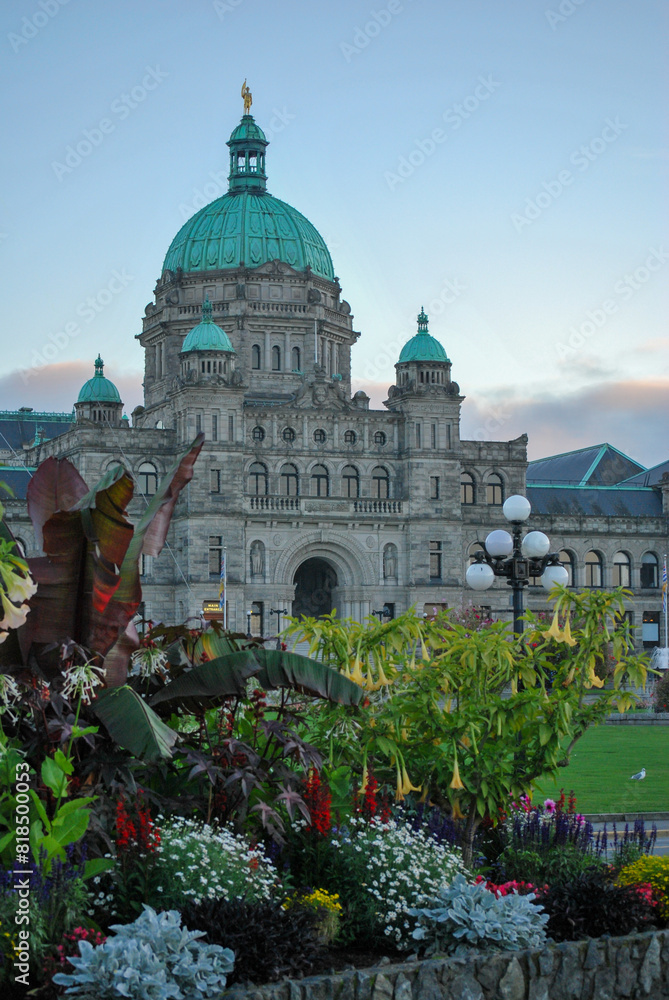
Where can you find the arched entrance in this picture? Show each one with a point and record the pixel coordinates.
(315, 581)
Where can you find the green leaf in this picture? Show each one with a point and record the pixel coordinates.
(54, 777)
(64, 763)
(68, 807)
(96, 866)
(283, 669)
(41, 812)
(68, 829)
(133, 724)
(207, 683)
(545, 734)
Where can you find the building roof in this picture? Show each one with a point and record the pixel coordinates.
(597, 465)
(423, 346)
(20, 428)
(207, 335)
(99, 389)
(651, 477)
(602, 501)
(17, 478)
(247, 226)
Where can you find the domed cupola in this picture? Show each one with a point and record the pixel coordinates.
(248, 227)
(423, 362)
(206, 350)
(99, 399)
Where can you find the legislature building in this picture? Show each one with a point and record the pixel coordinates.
(317, 501)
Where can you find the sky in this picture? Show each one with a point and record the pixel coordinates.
(501, 164)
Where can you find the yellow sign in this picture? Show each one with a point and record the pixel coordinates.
(212, 611)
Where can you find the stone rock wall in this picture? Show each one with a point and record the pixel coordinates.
(597, 969)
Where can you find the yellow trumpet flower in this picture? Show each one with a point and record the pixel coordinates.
(456, 811)
(356, 673)
(456, 783)
(406, 783)
(383, 680)
(554, 631)
(566, 634)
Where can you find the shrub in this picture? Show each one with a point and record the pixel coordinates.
(196, 861)
(464, 916)
(654, 872)
(661, 693)
(268, 941)
(327, 907)
(590, 906)
(380, 870)
(153, 958)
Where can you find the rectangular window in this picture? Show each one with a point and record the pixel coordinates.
(215, 481)
(231, 427)
(198, 423)
(434, 487)
(418, 441)
(215, 554)
(435, 560)
(650, 629)
(432, 610)
(433, 435)
(255, 619)
(214, 427)
(448, 437)
(145, 565)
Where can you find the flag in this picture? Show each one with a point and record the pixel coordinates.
(664, 586)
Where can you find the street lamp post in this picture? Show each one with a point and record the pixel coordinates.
(516, 558)
(385, 613)
(278, 612)
(248, 622)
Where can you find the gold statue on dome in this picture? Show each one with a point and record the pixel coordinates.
(248, 98)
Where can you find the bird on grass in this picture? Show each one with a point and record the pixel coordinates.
(639, 776)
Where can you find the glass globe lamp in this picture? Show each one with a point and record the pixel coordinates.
(554, 574)
(535, 545)
(516, 508)
(480, 576)
(499, 543)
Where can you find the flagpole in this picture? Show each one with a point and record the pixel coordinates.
(664, 602)
(225, 588)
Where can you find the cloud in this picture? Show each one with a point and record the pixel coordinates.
(632, 415)
(57, 386)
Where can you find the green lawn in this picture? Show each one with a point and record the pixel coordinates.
(600, 768)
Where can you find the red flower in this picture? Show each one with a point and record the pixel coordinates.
(318, 800)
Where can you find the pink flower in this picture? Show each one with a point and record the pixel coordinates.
(549, 806)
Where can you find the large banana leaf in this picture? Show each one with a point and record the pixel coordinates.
(55, 486)
(133, 724)
(290, 670)
(208, 682)
(148, 538)
(204, 685)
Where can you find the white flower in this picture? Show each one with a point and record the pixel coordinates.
(81, 681)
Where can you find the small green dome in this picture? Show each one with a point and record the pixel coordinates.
(247, 226)
(98, 389)
(423, 346)
(207, 336)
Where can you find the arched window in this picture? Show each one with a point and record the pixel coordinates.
(258, 479)
(147, 479)
(258, 433)
(21, 547)
(380, 483)
(567, 560)
(320, 436)
(295, 359)
(495, 490)
(320, 481)
(593, 569)
(622, 570)
(288, 434)
(255, 357)
(350, 481)
(349, 437)
(276, 359)
(289, 481)
(467, 489)
(379, 438)
(473, 549)
(649, 570)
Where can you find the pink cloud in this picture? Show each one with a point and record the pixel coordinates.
(56, 387)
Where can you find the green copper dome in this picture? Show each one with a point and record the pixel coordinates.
(207, 336)
(248, 227)
(423, 347)
(98, 389)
